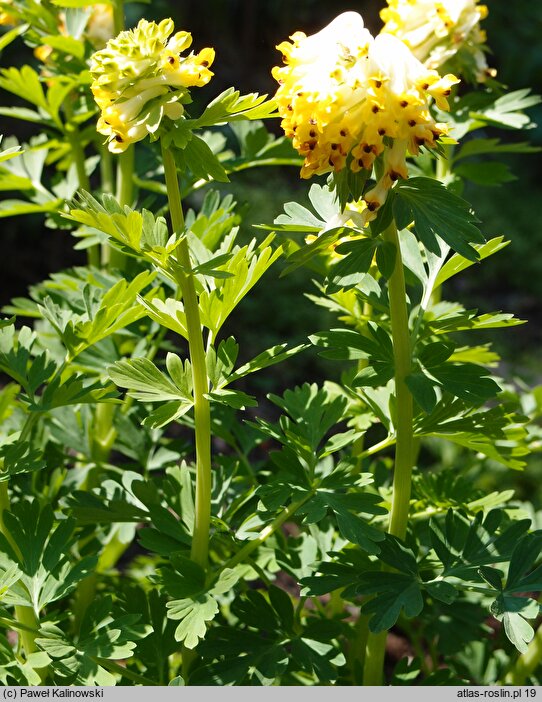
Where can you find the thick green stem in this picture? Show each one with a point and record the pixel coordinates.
(78, 156)
(125, 177)
(374, 658)
(527, 663)
(202, 413)
(118, 16)
(106, 170)
(404, 444)
(359, 444)
(125, 196)
(25, 616)
(104, 433)
(402, 476)
(358, 646)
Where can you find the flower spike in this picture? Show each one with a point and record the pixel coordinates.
(141, 76)
(345, 98)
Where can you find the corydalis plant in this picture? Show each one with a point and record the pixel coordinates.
(346, 98)
(365, 96)
(141, 76)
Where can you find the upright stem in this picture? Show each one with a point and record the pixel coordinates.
(404, 445)
(202, 414)
(125, 196)
(125, 164)
(78, 156)
(106, 170)
(359, 444)
(402, 476)
(24, 615)
(125, 177)
(118, 16)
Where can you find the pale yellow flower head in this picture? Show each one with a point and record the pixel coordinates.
(438, 32)
(141, 77)
(101, 24)
(345, 98)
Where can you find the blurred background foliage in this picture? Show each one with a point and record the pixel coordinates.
(244, 33)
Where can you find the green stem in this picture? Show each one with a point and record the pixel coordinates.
(78, 156)
(125, 177)
(527, 663)
(404, 432)
(266, 532)
(202, 412)
(374, 658)
(358, 646)
(106, 169)
(404, 443)
(104, 433)
(118, 16)
(25, 616)
(359, 444)
(125, 196)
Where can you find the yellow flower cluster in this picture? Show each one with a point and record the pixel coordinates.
(6, 17)
(141, 77)
(436, 32)
(345, 98)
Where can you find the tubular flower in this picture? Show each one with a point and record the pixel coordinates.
(436, 32)
(141, 77)
(345, 98)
